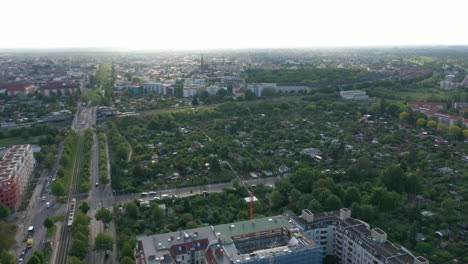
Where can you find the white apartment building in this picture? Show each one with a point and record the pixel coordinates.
(356, 95)
(352, 240)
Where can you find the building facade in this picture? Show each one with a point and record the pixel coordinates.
(158, 88)
(16, 169)
(351, 240)
(356, 95)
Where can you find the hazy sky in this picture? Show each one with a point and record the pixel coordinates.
(209, 24)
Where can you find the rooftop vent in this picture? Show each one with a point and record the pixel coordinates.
(379, 235)
(307, 215)
(345, 213)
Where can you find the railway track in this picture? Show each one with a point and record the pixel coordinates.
(66, 234)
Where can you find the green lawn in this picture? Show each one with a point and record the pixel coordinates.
(7, 142)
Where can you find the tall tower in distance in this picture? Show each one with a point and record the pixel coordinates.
(202, 66)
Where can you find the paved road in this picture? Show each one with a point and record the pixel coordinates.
(36, 212)
(100, 197)
(190, 191)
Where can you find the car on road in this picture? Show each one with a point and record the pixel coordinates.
(47, 205)
(30, 231)
(152, 193)
(156, 199)
(20, 261)
(97, 184)
(144, 194)
(165, 196)
(23, 252)
(43, 198)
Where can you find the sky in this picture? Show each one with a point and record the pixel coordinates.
(230, 24)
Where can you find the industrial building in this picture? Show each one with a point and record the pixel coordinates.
(264, 240)
(16, 168)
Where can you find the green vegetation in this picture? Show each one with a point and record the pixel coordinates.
(103, 160)
(8, 232)
(103, 242)
(102, 86)
(81, 232)
(70, 148)
(4, 211)
(374, 166)
(304, 75)
(104, 215)
(85, 175)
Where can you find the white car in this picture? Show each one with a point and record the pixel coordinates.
(47, 205)
(43, 198)
(152, 193)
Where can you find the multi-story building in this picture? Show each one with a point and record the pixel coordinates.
(257, 88)
(59, 88)
(449, 120)
(158, 88)
(16, 168)
(214, 89)
(260, 241)
(356, 95)
(448, 85)
(352, 240)
(428, 104)
(15, 88)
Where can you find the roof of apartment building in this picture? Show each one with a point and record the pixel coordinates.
(360, 232)
(216, 241)
(59, 85)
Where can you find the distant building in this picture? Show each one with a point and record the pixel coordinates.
(214, 89)
(61, 117)
(352, 240)
(105, 112)
(263, 241)
(189, 91)
(450, 120)
(158, 88)
(56, 88)
(257, 88)
(428, 104)
(16, 169)
(14, 88)
(448, 85)
(356, 95)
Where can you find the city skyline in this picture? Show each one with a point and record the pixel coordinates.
(209, 24)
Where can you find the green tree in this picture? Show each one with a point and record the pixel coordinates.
(79, 248)
(315, 206)
(104, 179)
(58, 188)
(421, 122)
(103, 242)
(442, 127)
(48, 223)
(352, 195)
(127, 260)
(7, 258)
(104, 215)
(454, 130)
(7, 234)
(432, 124)
(4, 211)
(394, 178)
(34, 260)
(131, 210)
(157, 214)
(84, 207)
(332, 202)
(75, 260)
(39, 255)
(404, 116)
(277, 199)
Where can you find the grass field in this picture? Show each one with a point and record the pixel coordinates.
(7, 142)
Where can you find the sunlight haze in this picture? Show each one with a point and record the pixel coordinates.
(211, 24)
